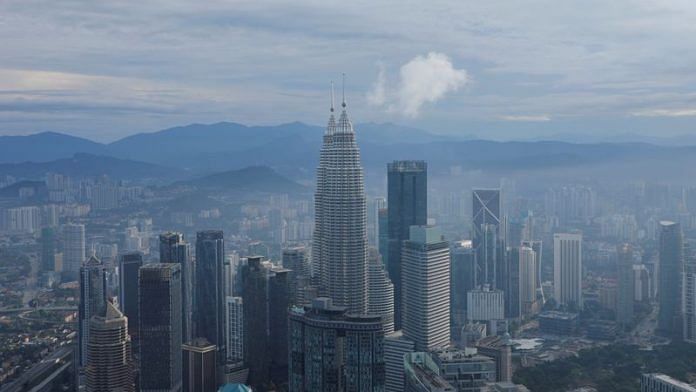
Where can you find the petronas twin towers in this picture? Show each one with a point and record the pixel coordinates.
(340, 235)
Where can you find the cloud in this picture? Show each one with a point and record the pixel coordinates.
(424, 79)
(685, 112)
(527, 118)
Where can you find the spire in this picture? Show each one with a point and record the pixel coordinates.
(344, 124)
(332, 97)
(331, 127)
(344, 92)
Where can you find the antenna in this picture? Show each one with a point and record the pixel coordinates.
(344, 91)
(332, 97)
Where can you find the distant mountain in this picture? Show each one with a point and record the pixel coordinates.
(88, 165)
(248, 179)
(44, 147)
(13, 190)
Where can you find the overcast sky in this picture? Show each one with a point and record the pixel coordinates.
(496, 69)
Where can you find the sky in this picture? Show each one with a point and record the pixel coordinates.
(496, 69)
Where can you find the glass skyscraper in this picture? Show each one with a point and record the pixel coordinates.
(209, 311)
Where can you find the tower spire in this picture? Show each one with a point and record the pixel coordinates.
(344, 91)
(332, 96)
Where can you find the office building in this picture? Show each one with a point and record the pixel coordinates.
(537, 248)
(528, 281)
(209, 311)
(129, 265)
(407, 198)
(558, 323)
(333, 350)
(73, 249)
(567, 270)
(500, 350)
(296, 260)
(462, 280)
(92, 301)
(48, 249)
(422, 375)
(448, 370)
(173, 249)
(689, 302)
(484, 304)
(486, 233)
(625, 281)
(234, 307)
(656, 382)
(109, 366)
(383, 244)
(671, 253)
(381, 291)
(200, 366)
(266, 302)
(511, 286)
(340, 229)
(160, 327)
(380, 204)
(396, 346)
(426, 288)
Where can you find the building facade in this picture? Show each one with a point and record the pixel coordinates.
(173, 249)
(381, 291)
(73, 249)
(129, 266)
(567, 270)
(200, 366)
(92, 301)
(671, 250)
(209, 310)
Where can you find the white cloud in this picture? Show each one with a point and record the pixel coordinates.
(685, 112)
(424, 79)
(527, 118)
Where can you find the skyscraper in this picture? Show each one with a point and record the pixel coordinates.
(670, 276)
(380, 203)
(73, 249)
(129, 265)
(48, 249)
(92, 301)
(295, 259)
(463, 279)
(567, 270)
(511, 283)
(200, 366)
(234, 307)
(528, 281)
(407, 198)
(340, 229)
(109, 366)
(209, 311)
(160, 327)
(487, 219)
(332, 350)
(689, 302)
(426, 288)
(173, 249)
(626, 289)
(381, 291)
(266, 301)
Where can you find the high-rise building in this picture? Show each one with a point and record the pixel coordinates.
(73, 249)
(333, 350)
(670, 275)
(129, 265)
(160, 327)
(528, 281)
(500, 350)
(462, 279)
(486, 233)
(380, 203)
(383, 243)
(234, 307)
(426, 288)
(109, 366)
(340, 229)
(656, 382)
(484, 304)
(381, 291)
(689, 302)
(510, 274)
(407, 198)
(396, 346)
(48, 249)
(200, 366)
(626, 290)
(567, 270)
(92, 301)
(295, 259)
(266, 301)
(537, 247)
(173, 249)
(209, 311)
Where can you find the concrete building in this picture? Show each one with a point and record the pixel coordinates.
(333, 350)
(484, 304)
(558, 323)
(500, 350)
(625, 290)
(426, 285)
(528, 281)
(567, 270)
(234, 311)
(109, 366)
(449, 370)
(396, 346)
(340, 229)
(656, 382)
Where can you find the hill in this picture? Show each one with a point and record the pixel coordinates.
(248, 179)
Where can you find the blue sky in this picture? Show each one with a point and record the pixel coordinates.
(495, 69)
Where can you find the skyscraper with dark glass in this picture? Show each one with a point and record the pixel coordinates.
(407, 201)
(92, 300)
(209, 311)
(48, 249)
(173, 249)
(129, 265)
(671, 250)
(160, 327)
